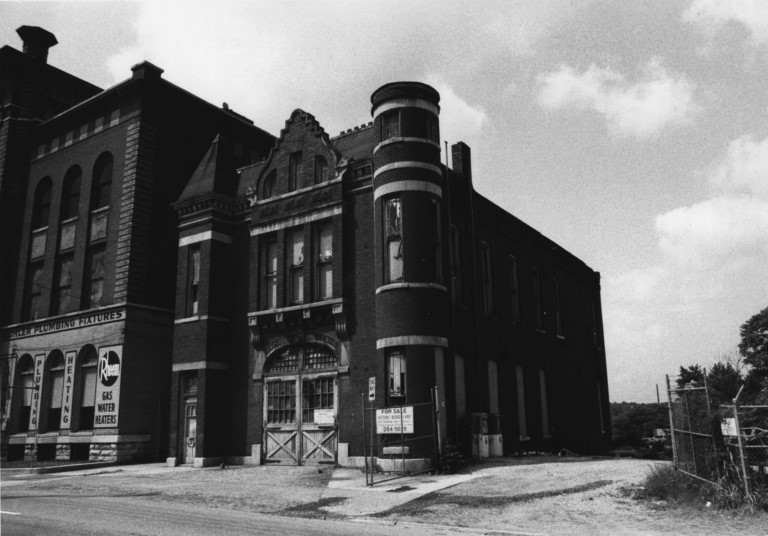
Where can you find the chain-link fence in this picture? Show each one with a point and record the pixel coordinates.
(713, 442)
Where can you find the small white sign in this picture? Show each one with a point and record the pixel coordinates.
(324, 416)
(372, 388)
(395, 420)
(728, 427)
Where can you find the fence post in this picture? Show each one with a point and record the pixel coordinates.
(741, 443)
(671, 422)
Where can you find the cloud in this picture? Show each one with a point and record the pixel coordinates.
(744, 170)
(459, 121)
(712, 15)
(642, 109)
(708, 279)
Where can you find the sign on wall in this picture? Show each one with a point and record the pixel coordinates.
(34, 410)
(68, 391)
(108, 373)
(372, 388)
(395, 420)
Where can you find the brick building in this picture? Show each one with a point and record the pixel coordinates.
(189, 287)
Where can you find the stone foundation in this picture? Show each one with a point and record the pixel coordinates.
(120, 452)
(63, 453)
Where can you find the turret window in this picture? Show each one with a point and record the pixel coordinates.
(393, 228)
(390, 124)
(397, 376)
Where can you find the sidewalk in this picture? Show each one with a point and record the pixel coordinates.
(362, 500)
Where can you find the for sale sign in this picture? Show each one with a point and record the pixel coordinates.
(395, 420)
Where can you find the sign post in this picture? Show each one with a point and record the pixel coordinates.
(372, 388)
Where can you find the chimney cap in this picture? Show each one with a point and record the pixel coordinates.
(36, 41)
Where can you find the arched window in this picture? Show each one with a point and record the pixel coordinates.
(101, 187)
(54, 391)
(42, 207)
(24, 390)
(70, 195)
(301, 357)
(269, 185)
(86, 397)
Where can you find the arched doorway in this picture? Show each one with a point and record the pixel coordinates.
(300, 405)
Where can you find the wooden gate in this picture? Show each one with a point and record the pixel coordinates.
(300, 419)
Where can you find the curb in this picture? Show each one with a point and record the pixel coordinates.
(58, 468)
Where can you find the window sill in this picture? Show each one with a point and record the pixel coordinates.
(187, 320)
(398, 285)
(525, 438)
(561, 337)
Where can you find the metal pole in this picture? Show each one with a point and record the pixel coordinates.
(741, 444)
(709, 422)
(690, 429)
(373, 425)
(402, 441)
(365, 437)
(671, 423)
(436, 426)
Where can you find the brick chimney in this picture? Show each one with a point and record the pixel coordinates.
(461, 157)
(36, 41)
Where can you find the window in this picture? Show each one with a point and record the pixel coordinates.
(33, 304)
(68, 138)
(396, 367)
(485, 269)
(193, 293)
(595, 335)
(62, 285)
(514, 290)
(390, 124)
(295, 170)
(269, 185)
(270, 273)
(281, 402)
(393, 224)
(324, 258)
(99, 125)
(70, 196)
(437, 275)
(537, 308)
(321, 169)
(296, 252)
(456, 287)
(315, 394)
(545, 430)
(521, 421)
(93, 292)
(42, 207)
(27, 383)
(433, 132)
(55, 387)
(556, 306)
(88, 362)
(101, 188)
(114, 118)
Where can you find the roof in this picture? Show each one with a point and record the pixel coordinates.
(215, 173)
(357, 144)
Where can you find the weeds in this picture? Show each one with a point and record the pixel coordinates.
(666, 483)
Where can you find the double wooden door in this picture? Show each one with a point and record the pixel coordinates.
(300, 419)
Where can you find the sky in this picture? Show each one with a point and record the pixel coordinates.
(633, 134)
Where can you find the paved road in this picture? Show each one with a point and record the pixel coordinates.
(51, 514)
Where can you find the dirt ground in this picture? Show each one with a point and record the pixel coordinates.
(569, 496)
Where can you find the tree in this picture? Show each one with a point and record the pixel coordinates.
(692, 374)
(723, 381)
(754, 342)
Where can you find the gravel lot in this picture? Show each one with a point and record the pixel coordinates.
(569, 496)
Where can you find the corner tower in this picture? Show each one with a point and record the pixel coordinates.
(411, 295)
